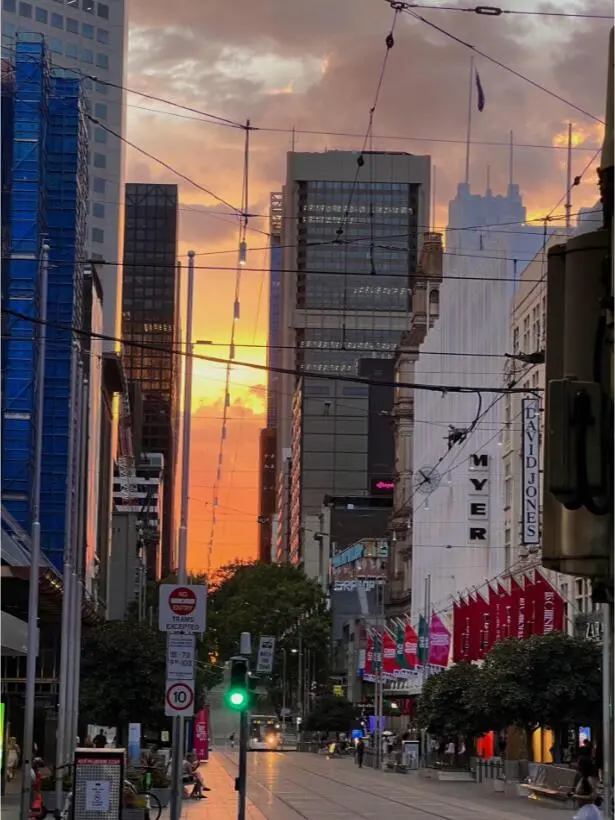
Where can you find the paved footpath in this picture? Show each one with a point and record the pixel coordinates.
(296, 786)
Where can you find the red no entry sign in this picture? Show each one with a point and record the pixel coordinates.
(182, 601)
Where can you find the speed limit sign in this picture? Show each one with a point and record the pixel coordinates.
(179, 698)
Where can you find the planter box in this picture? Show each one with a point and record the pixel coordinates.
(164, 795)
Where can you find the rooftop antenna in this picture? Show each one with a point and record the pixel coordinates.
(489, 180)
(568, 205)
(510, 159)
(292, 139)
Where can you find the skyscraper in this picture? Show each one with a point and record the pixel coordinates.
(351, 230)
(150, 329)
(267, 441)
(87, 38)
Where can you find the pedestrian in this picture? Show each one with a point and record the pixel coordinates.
(360, 752)
(231, 740)
(12, 758)
(585, 793)
(100, 741)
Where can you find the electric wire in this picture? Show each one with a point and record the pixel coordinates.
(495, 11)
(436, 388)
(397, 4)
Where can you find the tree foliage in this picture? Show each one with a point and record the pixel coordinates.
(547, 680)
(331, 714)
(446, 707)
(123, 674)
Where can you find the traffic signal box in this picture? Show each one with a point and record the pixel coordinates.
(241, 690)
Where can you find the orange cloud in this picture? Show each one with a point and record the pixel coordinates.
(329, 55)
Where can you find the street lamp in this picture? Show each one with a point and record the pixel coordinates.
(293, 651)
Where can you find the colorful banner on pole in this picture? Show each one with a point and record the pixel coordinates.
(201, 734)
(439, 642)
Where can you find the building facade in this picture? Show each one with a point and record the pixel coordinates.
(523, 437)
(150, 317)
(351, 237)
(268, 437)
(87, 39)
(425, 312)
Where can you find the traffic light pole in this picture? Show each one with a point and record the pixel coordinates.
(242, 779)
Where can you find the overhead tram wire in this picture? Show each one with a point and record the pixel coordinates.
(389, 43)
(435, 388)
(495, 11)
(241, 261)
(407, 9)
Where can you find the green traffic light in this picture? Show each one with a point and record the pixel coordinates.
(237, 699)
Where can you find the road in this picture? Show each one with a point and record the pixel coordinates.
(296, 786)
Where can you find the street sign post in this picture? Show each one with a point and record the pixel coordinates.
(180, 657)
(182, 608)
(266, 649)
(179, 698)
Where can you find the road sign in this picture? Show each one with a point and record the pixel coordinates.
(179, 698)
(181, 608)
(266, 650)
(180, 657)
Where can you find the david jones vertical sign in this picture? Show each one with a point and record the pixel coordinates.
(530, 513)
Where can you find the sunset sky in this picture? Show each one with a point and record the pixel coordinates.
(313, 65)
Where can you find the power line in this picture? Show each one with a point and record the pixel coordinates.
(408, 10)
(436, 388)
(494, 11)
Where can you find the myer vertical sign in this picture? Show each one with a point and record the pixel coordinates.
(530, 498)
(478, 498)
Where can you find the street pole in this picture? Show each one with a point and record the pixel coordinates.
(283, 693)
(28, 736)
(80, 542)
(607, 705)
(242, 780)
(67, 577)
(182, 575)
(426, 615)
(379, 695)
(300, 678)
(69, 737)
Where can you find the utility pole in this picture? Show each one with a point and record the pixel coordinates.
(182, 574)
(28, 736)
(61, 736)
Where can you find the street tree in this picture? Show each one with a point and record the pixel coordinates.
(331, 714)
(448, 705)
(123, 675)
(270, 599)
(547, 680)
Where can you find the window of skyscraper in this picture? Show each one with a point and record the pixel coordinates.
(102, 36)
(100, 161)
(40, 15)
(25, 10)
(99, 185)
(102, 60)
(103, 11)
(87, 56)
(72, 25)
(72, 50)
(9, 5)
(87, 30)
(57, 21)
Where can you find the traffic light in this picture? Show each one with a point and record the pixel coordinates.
(237, 695)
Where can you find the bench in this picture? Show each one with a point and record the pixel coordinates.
(551, 782)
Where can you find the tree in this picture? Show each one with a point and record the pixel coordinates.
(123, 675)
(547, 680)
(331, 714)
(447, 706)
(270, 599)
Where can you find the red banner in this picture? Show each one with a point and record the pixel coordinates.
(411, 643)
(545, 607)
(369, 657)
(201, 734)
(389, 652)
(518, 607)
(478, 627)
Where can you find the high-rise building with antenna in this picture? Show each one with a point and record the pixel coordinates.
(351, 231)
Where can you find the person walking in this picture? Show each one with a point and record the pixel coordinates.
(360, 752)
(12, 758)
(100, 741)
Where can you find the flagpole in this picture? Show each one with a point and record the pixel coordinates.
(469, 133)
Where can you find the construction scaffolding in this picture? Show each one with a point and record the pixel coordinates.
(27, 227)
(67, 197)
(46, 202)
